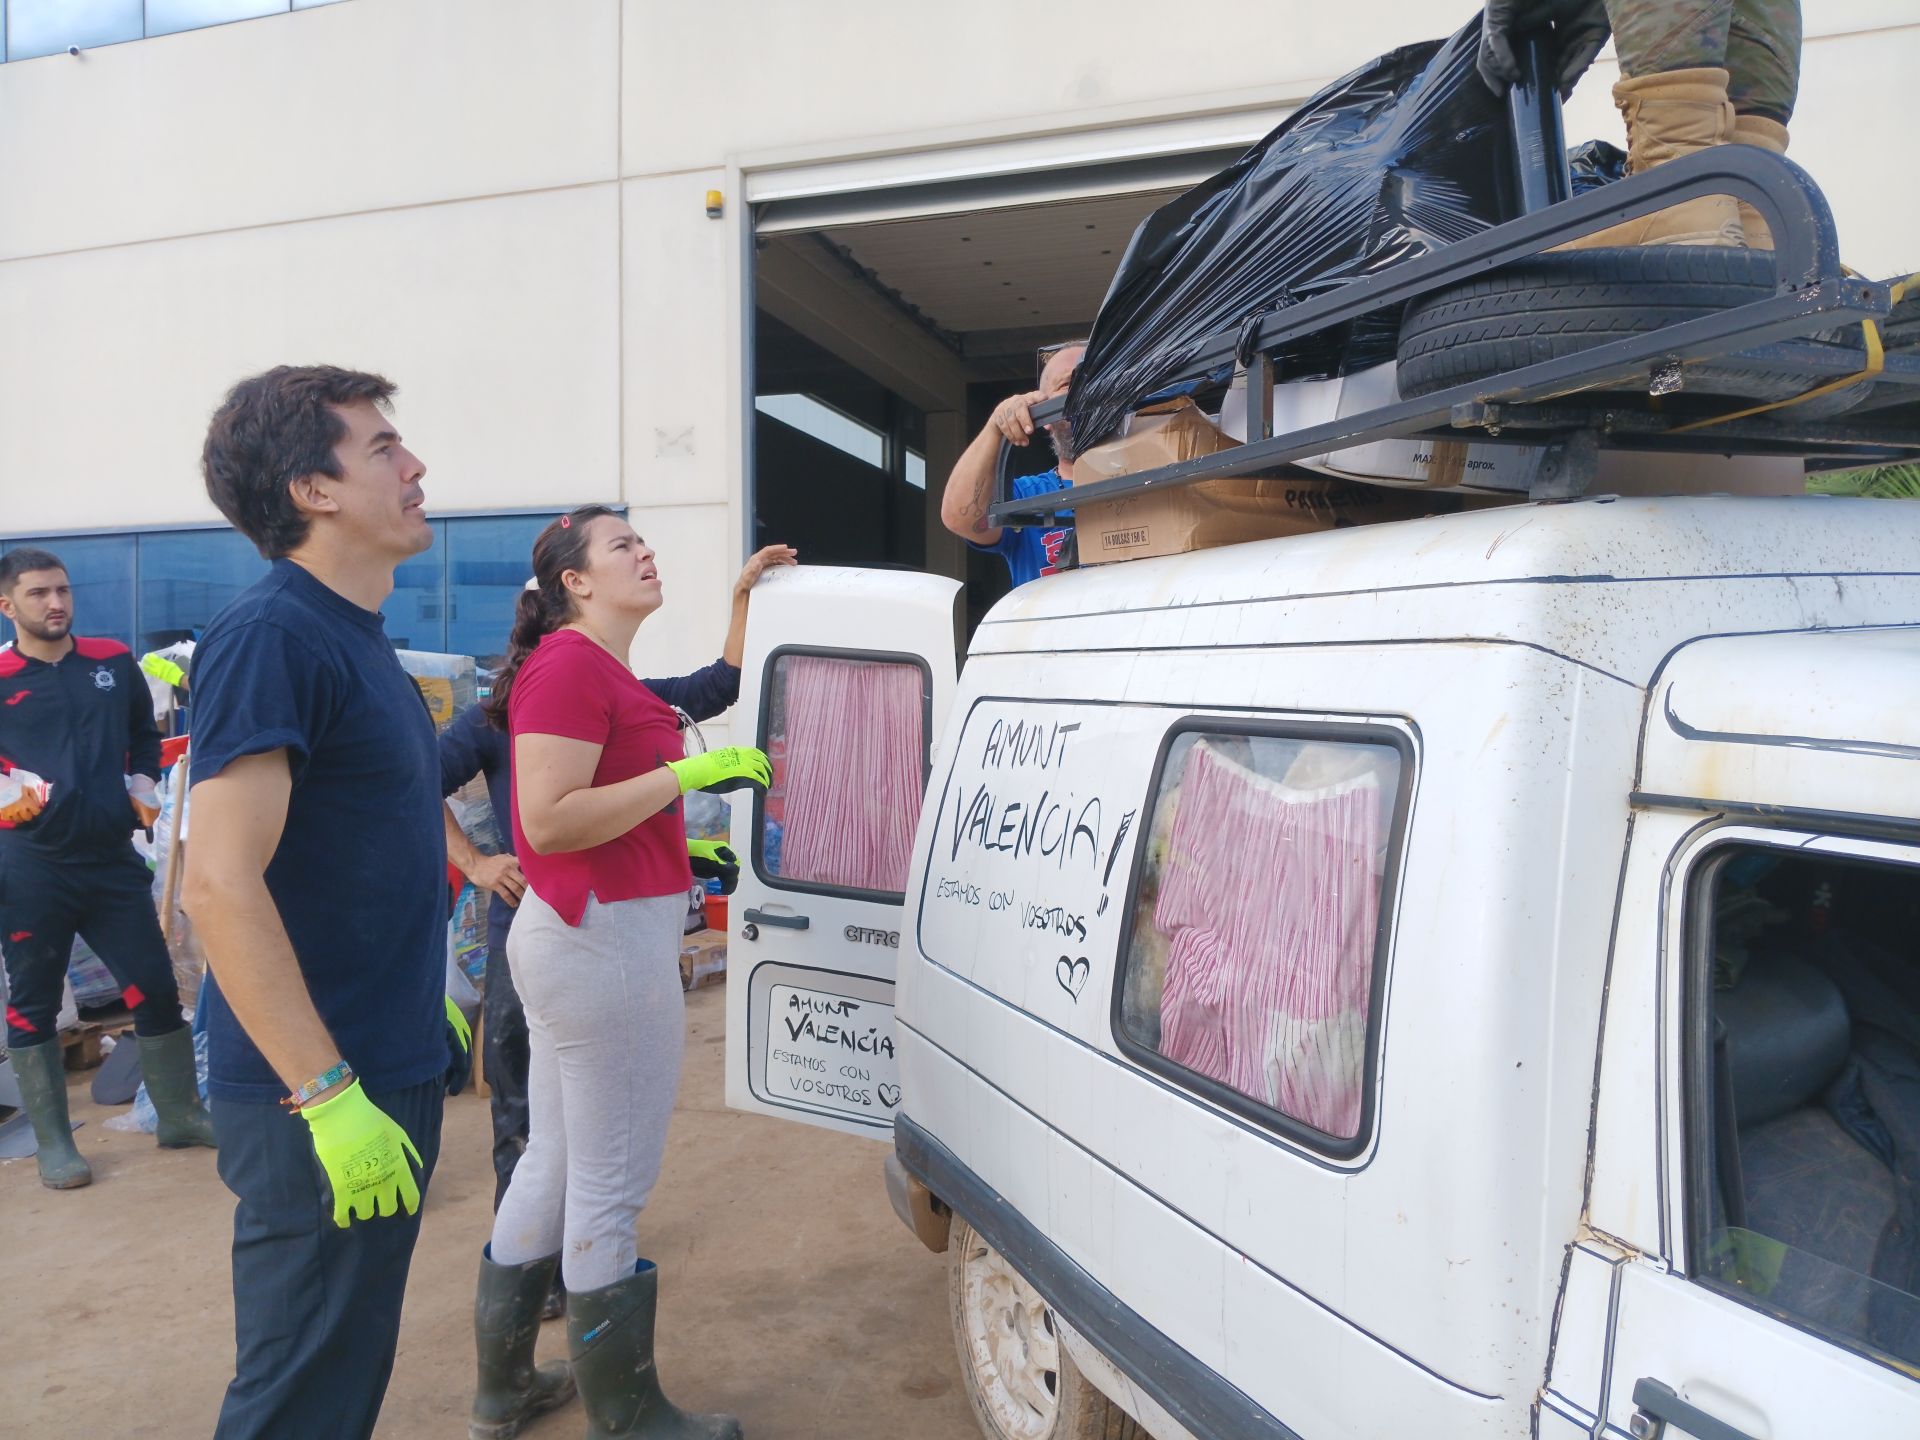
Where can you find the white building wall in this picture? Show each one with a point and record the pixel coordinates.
(501, 204)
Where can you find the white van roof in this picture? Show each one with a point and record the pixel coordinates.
(1765, 719)
(1613, 584)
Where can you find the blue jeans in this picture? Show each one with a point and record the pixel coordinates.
(316, 1309)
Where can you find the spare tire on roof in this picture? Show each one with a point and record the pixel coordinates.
(1553, 305)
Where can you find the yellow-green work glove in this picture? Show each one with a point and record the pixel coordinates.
(166, 671)
(737, 767)
(364, 1152)
(714, 860)
(461, 1029)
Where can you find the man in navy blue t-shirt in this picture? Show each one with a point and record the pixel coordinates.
(1035, 550)
(316, 880)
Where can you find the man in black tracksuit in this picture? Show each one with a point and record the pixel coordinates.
(76, 713)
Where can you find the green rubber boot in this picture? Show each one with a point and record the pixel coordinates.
(42, 1073)
(506, 1322)
(610, 1333)
(166, 1064)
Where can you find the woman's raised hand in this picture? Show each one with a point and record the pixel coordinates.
(762, 561)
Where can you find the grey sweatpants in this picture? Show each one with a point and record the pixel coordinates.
(607, 1025)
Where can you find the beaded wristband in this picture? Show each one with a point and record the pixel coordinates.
(326, 1080)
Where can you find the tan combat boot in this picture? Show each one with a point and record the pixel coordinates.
(1668, 115)
(1768, 135)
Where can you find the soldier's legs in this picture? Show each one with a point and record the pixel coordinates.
(1654, 36)
(1763, 58)
(1757, 42)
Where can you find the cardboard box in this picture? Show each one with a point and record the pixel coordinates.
(1211, 512)
(1232, 512)
(703, 960)
(1163, 435)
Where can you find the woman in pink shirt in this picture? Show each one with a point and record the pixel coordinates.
(598, 772)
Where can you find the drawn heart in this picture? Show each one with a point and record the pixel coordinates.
(890, 1096)
(1072, 975)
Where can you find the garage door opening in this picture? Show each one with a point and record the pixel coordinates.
(880, 349)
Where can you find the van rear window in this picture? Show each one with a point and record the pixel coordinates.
(846, 738)
(1252, 960)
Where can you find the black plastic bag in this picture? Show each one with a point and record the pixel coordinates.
(1594, 164)
(1407, 154)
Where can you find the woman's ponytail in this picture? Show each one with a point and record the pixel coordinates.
(544, 606)
(529, 624)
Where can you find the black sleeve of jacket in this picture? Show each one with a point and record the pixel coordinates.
(461, 753)
(703, 694)
(143, 734)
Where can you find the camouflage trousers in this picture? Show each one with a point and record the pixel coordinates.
(1757, 42)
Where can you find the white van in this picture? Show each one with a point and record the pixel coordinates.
(1458, 977)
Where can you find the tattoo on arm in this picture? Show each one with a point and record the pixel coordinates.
(978, 503)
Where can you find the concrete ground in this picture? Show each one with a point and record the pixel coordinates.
(791, 1296)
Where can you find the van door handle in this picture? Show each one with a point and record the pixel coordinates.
(779, 922)
(1657, 1406)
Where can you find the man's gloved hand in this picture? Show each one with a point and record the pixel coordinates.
(165, 669)
(457, 1022)
(23, 795)
(1580, 29)
(459, 1049)
(737, 767)
(364, 1152)
(714, 860)
(146, 800)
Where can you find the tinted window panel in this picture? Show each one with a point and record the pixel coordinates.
(489, 561)
(46, 27)
(164, 17)
(189, 576)
(101, 569)
(417, 610)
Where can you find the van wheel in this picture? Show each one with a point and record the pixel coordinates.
(1018, 1376)
(1553, 305)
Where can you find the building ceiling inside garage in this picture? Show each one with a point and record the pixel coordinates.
(995, 283)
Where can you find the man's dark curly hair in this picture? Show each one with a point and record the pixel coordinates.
(269, 431)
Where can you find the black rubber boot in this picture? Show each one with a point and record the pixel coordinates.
(506, 1322)
(42, 1072)
(610, 1335)
(166, 1063)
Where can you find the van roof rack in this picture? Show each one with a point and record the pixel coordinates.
(1555, 404)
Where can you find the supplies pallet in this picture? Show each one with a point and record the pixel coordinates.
(80, 1045)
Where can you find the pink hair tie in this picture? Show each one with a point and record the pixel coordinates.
(566, 522)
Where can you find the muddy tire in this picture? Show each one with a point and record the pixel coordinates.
(1019, 1379)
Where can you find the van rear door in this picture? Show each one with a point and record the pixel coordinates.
(847, 677)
